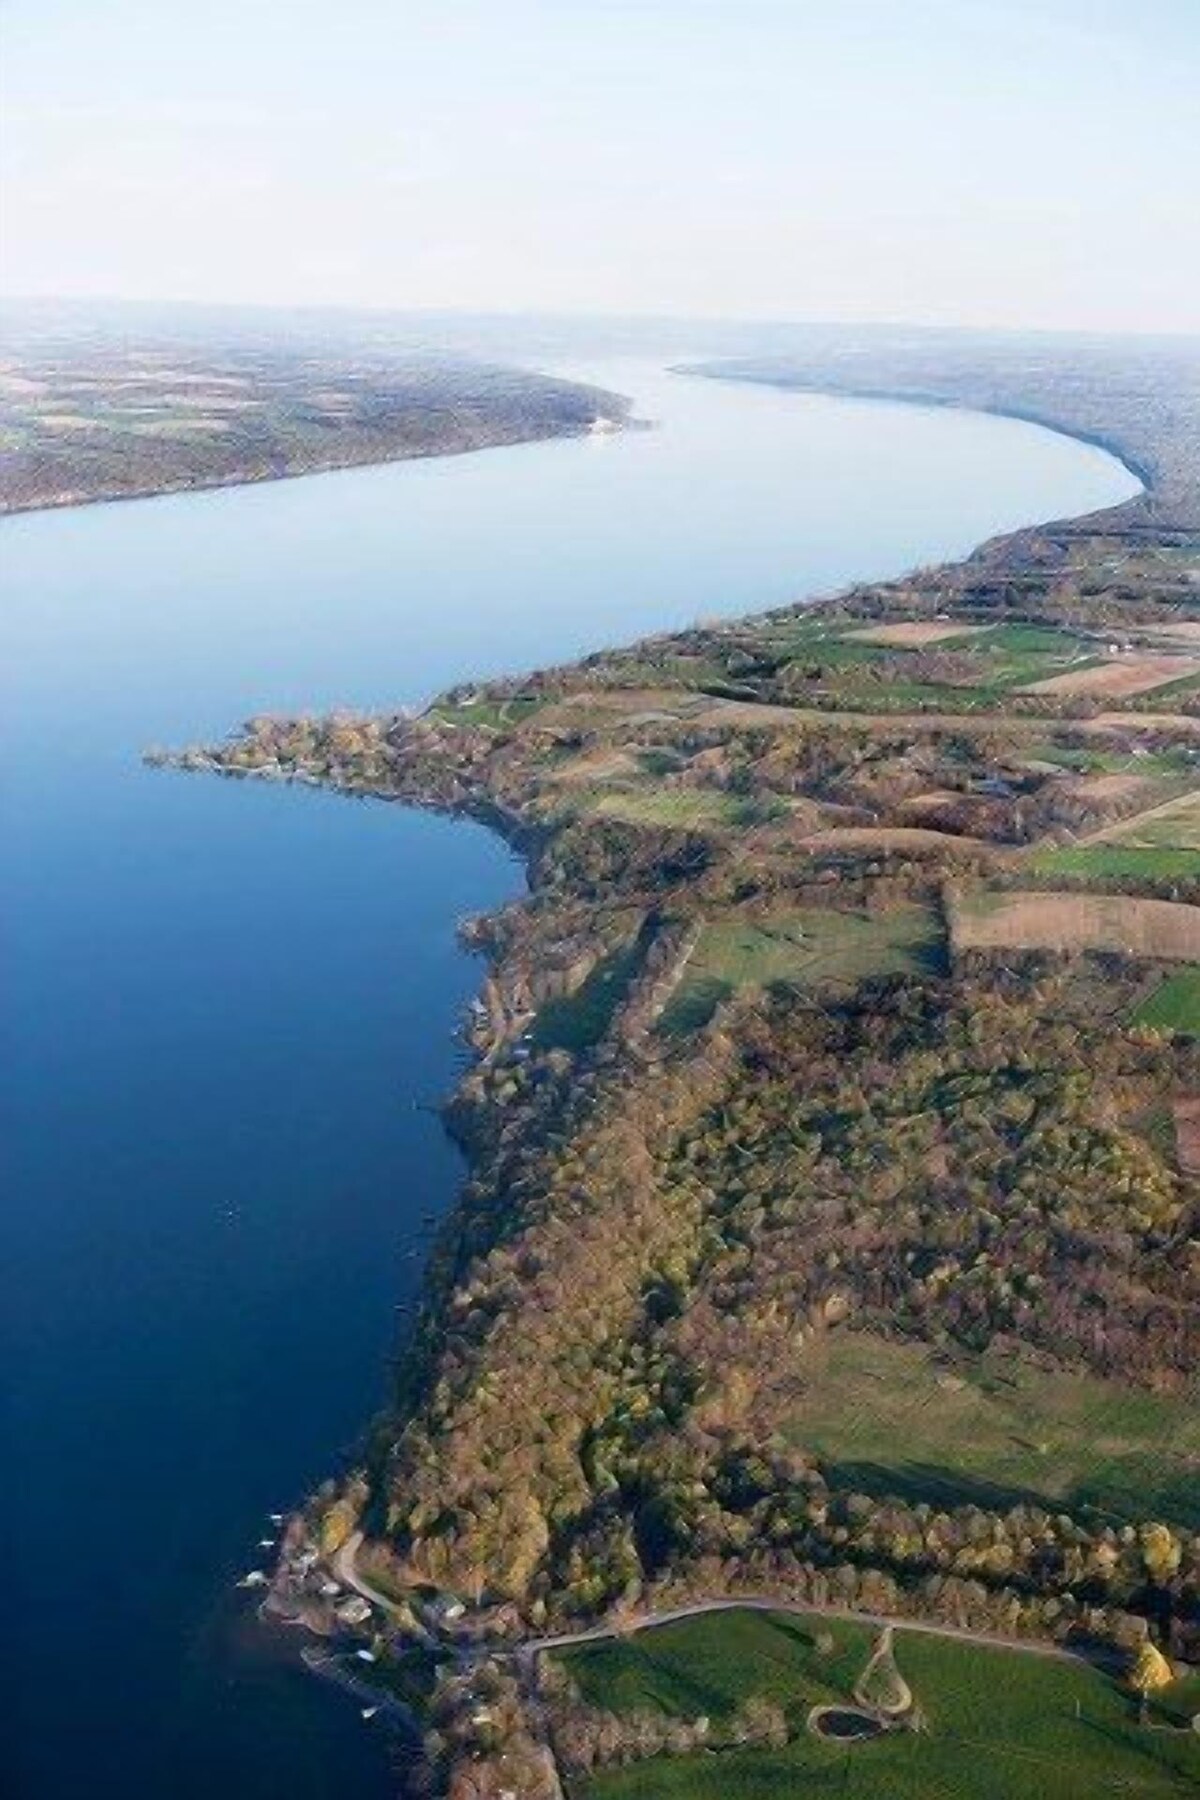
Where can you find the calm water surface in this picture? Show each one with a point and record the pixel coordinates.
(228, 1007)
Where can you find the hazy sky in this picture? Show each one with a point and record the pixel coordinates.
(1025, 162)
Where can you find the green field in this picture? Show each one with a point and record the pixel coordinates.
(1014, 655)
(993, 1430)
(496, 715)
(1175, 825)
(1001, 1725)
(806, 946)
(1090, 761)
(1018, 640)
(1161, 844)
(1160, 696)
(684, 809)
(912, 696)
(1175, 1003)
(989, 663)
(713, 1664)
(1118, 862)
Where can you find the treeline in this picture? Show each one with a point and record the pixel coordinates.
(587, 1737)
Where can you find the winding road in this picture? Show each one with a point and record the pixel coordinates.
(345, 1569)
(534, 1647)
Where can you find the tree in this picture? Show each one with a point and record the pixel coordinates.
(1149, 1671)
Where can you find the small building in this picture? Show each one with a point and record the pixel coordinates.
(447, 1609)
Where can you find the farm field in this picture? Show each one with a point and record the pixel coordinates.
(1094, 761)
(601, 709)
(1175, 825)
(1014, 655)
(1180, 631)
(494, 715)
(912, 840)
(988, 655)
(993, 1430)
(1117, 678)
(1001, 1725)
(916, 634)
(1117, 862)
(991, 920)
(679, 808)
(712, 1664)
(1175, 1003)
(803, 946)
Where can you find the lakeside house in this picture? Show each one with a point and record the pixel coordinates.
(355, 1611)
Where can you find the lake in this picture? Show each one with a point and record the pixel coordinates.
(229, 1007)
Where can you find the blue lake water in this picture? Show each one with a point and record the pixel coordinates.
(229, 1007)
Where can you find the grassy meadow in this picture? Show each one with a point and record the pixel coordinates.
(1001, 1725)
(804, 946)
(995, 1429)
(1175, 1003)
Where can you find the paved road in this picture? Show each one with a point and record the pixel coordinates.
(801, 1608)
(345, 1570)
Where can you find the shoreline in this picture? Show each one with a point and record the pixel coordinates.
(220, 484)
(1110, 444)
(470, 1115)
(526, 841)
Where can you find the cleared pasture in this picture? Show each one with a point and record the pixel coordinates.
(679, 808)
(999, 1724)
(1175, 825)
(882, 840)
(579, 1020)
(1175, 1003)
(951, 1430)
(809, 947)
(1118, 677)
(916, 634)
(1118, 862)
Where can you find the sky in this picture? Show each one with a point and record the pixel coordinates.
(979, 162)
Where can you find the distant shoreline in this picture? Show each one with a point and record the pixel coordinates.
(835, 390)
(264, 477)
(122, 423)
(1138, 411)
